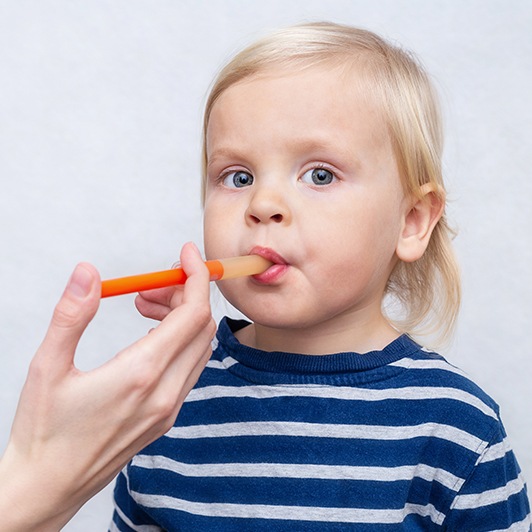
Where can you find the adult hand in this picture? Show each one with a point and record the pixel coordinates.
(74, 431)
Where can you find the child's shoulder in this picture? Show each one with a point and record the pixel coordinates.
(428, 369)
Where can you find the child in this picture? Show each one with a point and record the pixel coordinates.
(322, 150)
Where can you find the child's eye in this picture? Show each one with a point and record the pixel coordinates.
(318, 176)
(238, 180)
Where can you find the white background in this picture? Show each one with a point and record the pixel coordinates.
(100, 110)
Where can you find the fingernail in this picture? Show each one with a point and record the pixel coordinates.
(80, 283)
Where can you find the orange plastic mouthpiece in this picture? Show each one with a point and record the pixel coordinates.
(219, 270)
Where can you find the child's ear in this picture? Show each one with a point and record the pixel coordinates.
(419, 222)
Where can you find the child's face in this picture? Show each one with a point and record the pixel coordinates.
(301, 170)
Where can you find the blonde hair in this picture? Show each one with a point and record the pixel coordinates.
(427, 290)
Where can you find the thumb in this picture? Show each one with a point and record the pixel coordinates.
(72, 314)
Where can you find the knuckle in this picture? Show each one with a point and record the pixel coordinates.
(162, 410)
(141, 377)
(203, 316)
(65, 314)
(166, 423)
(141, 381)
(164, 407)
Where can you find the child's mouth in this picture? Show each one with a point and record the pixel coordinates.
(275, 271)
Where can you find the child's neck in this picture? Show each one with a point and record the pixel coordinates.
(334, 336)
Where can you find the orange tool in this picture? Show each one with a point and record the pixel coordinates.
(219, 270)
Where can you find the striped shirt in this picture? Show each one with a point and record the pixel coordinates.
(396, 439)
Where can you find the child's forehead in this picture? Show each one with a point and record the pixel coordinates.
(319, 110)
(305, 80)
(336, 89)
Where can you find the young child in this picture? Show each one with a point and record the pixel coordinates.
(322, 153)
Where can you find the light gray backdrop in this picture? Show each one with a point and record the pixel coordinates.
(100, 108)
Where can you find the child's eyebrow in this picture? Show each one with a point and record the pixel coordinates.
(330, 150)
(225, 153)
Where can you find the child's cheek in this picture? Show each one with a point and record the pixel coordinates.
(216, 236)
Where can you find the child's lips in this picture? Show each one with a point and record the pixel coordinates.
(275, 271)
(268, 254)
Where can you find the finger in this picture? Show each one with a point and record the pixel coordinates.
(72, 314)
(176, 337)
(189, 383)
(181, 338)
(192, 355)
(197, 288)
(161, 296)
(158, 303)
(197, 369)
(150, 309)
(176, 382)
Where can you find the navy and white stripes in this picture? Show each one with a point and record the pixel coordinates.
(392, 440)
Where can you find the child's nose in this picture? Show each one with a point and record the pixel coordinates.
(267, 205)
